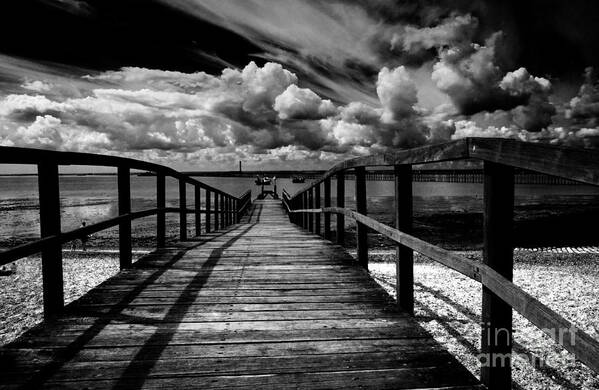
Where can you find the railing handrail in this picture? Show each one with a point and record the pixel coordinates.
(501, 158)
(575, 164)
(584, 346)
(15, 155)
(226, 211)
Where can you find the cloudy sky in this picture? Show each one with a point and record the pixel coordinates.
(202, 84)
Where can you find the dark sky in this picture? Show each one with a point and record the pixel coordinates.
(549, 37)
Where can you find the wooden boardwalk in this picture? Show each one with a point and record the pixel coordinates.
(263, 304)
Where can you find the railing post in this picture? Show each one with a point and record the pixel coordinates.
(208, 212)
(340, 203)
(198, 204)
(161, 215)
(317, 205)
(304, 206)
(404, 267)
(327, 203)
(124, 185)
(216, 211)
(223, 223)
(236, 205)
(311, 206)
(229, 208)
(361, 229)
(49, 198)
(496, 343)
(182, 210)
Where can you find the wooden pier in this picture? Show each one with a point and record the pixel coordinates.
(262, 304)
(258, 299)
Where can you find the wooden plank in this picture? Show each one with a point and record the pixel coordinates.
(198, 205)
(262, 304)
(52, 278)
(124, 197)
(340, 203)
(404, 269)
(208, 211)
(160, 215)
(496, 335)
(182, 214)
(361, 229)
(327, 203)
(569, 163)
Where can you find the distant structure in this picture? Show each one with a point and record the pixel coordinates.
(240, 166)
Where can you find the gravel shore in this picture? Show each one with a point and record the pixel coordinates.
(448, 305)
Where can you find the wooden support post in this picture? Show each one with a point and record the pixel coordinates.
(208, 211)
(327, 203)
(496, 343)
(311, 206)
(161, 215)
(216, 211)
(361, 229)
(404, 267)
(223, 222)
(198, 205)
(304, 206)
(124, 185)
(52, 278)
(182, 211)
(317, 205)
(236, 205)
(340, 203)
(229, 209)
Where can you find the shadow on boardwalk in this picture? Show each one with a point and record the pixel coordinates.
(261, 305)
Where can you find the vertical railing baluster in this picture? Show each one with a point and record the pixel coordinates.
(216, 211)
(317, 205)
(124, 187)
(311, 206)
(52, 277)
(228, 211)
(327, 203)
(160, 205)
(404, 268)
(305, 206)
(182, 210)
(208, 205)
(198, 205)
(223, 223)
(340, 203)
(361, 207)
(496, 335)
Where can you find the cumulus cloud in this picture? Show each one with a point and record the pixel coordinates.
(397, 93)
(454, 30)
(584, 108)
(302, 103)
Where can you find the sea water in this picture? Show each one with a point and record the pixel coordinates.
(94, 198)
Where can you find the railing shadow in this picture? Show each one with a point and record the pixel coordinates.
(149, 352)
(141, 365)
(547, 371)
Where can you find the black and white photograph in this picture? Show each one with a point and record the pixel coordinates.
(299, 194)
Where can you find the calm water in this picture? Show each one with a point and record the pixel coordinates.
(94, 198)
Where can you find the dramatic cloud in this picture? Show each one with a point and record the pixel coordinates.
(302, 103)
(329, 80)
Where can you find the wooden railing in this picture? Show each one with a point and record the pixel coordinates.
(221, 210)
(500, 295)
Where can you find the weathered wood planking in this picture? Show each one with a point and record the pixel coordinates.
(260, 305)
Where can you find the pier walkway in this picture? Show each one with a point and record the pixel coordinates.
(261, 304)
